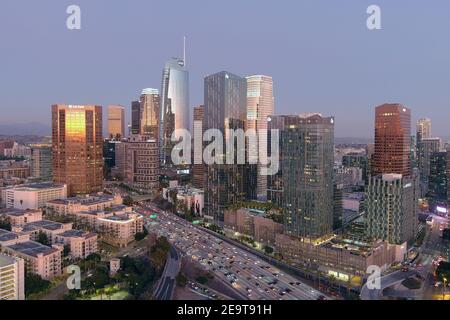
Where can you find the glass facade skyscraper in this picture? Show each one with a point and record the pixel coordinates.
(150, 108)
(225, 108)
(260, 105)
(77, 144)
(307, 147)
(392, 140)
(116, 121)
(174, 104)
(392, 208)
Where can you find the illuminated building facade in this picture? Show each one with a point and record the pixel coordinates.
(260, 105)
(174, 104)
(149, 113)
(116, 122)
(307, 165)
(392, 140)
(77, 148)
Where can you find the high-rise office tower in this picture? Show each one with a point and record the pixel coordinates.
(275, 182)
(338, 210)
(77, 148)
(260, 105)
(423, 129)
(116, 122)
(138, 163)
(391, 208)
(392, 140)
(427, 147)
(225, 108)
(307, 148)
(149, 114)
(448, 177)
(41, 161)
(174, 104)
(135, 117)
(437, 180)
(199, 170)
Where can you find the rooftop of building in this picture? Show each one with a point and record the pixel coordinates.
(38, 186)
(6, 260)
(123, 218)
(16, 212)
(76, 234)
(42, 224)
(87, 200)
(6, 235)
(32, 248)
(111, 210)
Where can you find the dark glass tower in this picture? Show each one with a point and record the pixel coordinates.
(307, 147)
(225, 108)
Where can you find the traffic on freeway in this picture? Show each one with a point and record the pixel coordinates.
(247, 274)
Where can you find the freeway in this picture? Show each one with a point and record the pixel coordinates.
(166, 285)
(249, 275)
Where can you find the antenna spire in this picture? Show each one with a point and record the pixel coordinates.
(184, 50)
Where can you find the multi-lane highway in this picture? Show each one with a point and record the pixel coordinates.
(166, 285)
(248, 275)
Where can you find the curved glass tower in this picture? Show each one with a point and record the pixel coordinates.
(174, 104)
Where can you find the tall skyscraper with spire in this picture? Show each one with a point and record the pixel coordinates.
(174, 103)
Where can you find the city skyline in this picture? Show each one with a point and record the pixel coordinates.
(316, 64)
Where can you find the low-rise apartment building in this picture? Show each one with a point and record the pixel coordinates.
(32, 196)
(252, 223)
(19, 217)
(341, 258)
(12, 278)
(83, 204)
(39, 259)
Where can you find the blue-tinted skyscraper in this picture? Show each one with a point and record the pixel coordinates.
(174, 104)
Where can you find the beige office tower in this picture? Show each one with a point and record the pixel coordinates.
(116, 121)
(423, 129)
(77, 148)
(260, 105)
(198, 170)
(12, 278)
(149, 115)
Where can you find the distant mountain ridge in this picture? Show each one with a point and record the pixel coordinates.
(25, 129)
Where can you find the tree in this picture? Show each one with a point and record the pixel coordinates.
(128, 201)
(446, 234)
(202, 279)
(66, 250)
(268, 249)
(181, 280)
(35, 284)
(141, 235)
(42, 238)
(443, 271)
(5, 224)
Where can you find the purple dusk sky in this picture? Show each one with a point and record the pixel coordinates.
(320, 53)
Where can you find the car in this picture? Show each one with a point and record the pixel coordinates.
(321, 298)
(405, 269)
